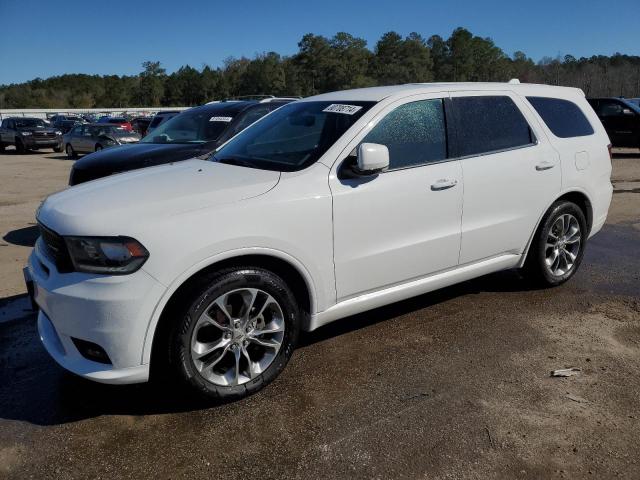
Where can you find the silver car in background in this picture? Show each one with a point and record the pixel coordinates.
(94, 137)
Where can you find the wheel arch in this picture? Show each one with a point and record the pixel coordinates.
(283, 265)
(577, 196)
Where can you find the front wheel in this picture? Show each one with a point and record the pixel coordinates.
(98, 147)
(57, 149)
(20, 148)
(558, 246)
(235, 334)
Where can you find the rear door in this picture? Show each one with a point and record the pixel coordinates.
(84, 139)
(511, 172)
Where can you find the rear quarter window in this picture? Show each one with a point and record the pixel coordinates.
(563, 117)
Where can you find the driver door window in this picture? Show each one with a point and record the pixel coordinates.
(610, 109)
(414, 133)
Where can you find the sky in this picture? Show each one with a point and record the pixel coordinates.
(43, 38)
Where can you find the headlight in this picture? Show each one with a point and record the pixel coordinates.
(109, 255)
(58, 132)
(25, 133)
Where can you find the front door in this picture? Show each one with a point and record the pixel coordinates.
(402, 224)
(620, 122)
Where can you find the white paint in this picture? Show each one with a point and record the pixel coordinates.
(357, 244)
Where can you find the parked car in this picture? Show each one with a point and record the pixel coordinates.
(161, 117)
(121, 121)
(141, 124)
(64, 123)
(95, 137)
(621, 120)
(27, 133)
(195, 132)
(329, 206)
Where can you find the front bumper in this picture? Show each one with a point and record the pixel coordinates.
(35, 143)
(112, 312)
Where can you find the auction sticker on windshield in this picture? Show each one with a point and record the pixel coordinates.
(339, 108)
(220, 119)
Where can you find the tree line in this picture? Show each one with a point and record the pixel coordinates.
(324, 64)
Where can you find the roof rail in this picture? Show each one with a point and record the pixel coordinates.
(248, 97)
(275, 99)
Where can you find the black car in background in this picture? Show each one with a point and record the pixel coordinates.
(160, 118)
(64, 123)
(621, 120)
(194, 132)
(28, 133)
(141, 124)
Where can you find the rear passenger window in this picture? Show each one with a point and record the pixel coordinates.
(414, 133)
(564, 118)
(489, 124)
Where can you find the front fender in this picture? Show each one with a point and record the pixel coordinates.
(198, 267)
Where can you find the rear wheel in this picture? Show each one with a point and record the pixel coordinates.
(558, 246)
(235, 333)
(70, 151)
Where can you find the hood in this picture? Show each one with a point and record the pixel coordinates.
(37, 129)
(124, 203)
(129, 157)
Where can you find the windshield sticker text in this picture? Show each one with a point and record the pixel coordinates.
(339, 108)
(220, 119)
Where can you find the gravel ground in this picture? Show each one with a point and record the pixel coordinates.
(452, 384)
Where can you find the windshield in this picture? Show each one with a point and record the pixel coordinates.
(193, 126)
(292, 137)
(30, 122)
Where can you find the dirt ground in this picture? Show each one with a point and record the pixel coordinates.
(452, 384)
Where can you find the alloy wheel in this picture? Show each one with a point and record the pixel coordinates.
(563, 244)
(237, 337)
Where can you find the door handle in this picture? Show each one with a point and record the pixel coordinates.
(544, 166)
(443, 184)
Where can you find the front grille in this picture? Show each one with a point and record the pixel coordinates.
(44, 134)
(56, 249)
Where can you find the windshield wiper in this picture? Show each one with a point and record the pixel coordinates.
(235, 161)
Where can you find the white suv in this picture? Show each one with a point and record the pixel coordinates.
(329, 206)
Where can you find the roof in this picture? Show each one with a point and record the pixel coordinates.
(376, 94)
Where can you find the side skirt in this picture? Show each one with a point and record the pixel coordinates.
(413, 288)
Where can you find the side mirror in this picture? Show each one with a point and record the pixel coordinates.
(372, 158)
(627, 111)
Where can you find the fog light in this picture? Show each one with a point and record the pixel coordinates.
(91, 351)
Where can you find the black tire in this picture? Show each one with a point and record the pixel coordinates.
(20, 148)
(98, 147)
(71, 153)
(2, 147)
(536, 268)
(191, 307)
(57, 149)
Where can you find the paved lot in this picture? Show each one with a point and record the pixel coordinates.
(453, 384)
